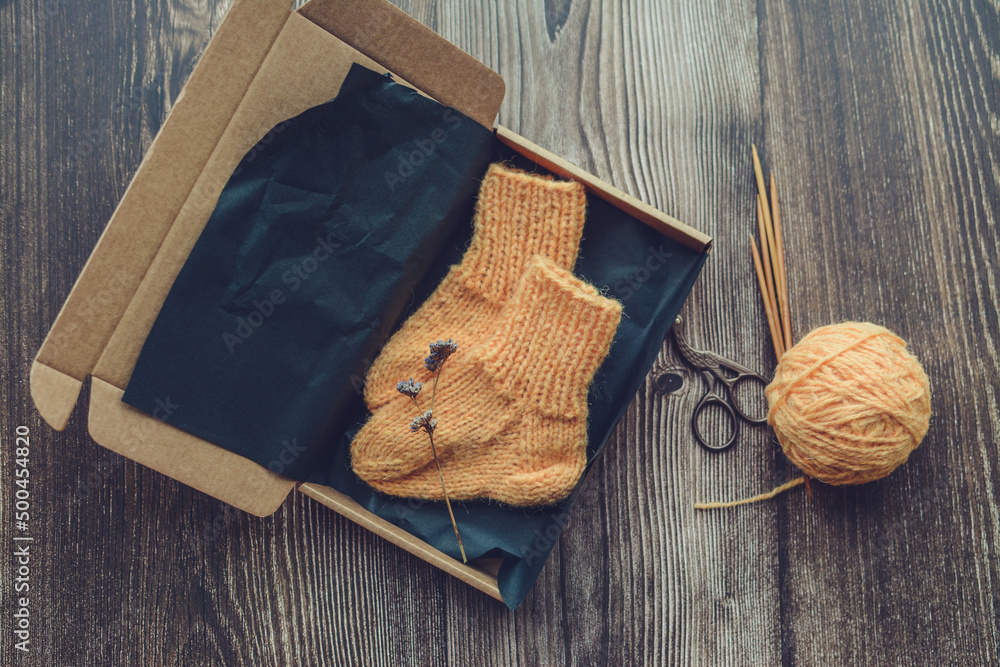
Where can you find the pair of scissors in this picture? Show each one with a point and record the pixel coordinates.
(732, 376)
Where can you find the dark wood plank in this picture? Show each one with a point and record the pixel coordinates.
(880, 121)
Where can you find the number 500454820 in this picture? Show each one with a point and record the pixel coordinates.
(22, 449)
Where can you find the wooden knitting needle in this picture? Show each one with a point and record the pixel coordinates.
(768, 306)
(768, 234)
(783, 282)
(770, 249)
(770, 276)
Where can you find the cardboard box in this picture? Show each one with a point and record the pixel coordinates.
(264, 65)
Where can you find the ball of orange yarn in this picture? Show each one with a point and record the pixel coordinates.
(849, 403)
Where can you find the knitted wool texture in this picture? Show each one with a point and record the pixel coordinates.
(518, 215)
(849, 403)
(511, 412)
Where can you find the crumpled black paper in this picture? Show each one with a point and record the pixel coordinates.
(288, 394)
(304, 268)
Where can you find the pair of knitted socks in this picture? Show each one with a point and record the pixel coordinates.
(511, 403)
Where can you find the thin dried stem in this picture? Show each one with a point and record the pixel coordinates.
(427, 425)
(434, 387)
(444, 489)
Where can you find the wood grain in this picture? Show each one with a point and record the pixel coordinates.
(879, 118)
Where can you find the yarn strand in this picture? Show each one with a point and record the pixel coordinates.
(746, 501)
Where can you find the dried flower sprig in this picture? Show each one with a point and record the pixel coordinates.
(440, 351)
(409, 387)
(425, 421)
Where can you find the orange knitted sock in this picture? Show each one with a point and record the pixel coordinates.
(518, 215)
(512, 412)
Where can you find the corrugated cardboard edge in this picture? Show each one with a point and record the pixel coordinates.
(201, 465)
(126, 248)
(480, 575)
(661, 222)
(406, 47)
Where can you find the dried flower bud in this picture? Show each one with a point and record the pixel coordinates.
(425, 421)
(409, 387)
(440, 351)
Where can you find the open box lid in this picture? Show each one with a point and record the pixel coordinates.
(249, 79)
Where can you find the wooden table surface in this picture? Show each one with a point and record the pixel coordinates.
(881, 120)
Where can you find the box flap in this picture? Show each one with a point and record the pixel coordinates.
(181, 456)
(406, 47)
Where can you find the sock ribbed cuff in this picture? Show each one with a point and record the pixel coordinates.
(519, 215)
(555, 332)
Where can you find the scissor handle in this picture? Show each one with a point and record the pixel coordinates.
(742, 379)
(711, 398)
(709, 361)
